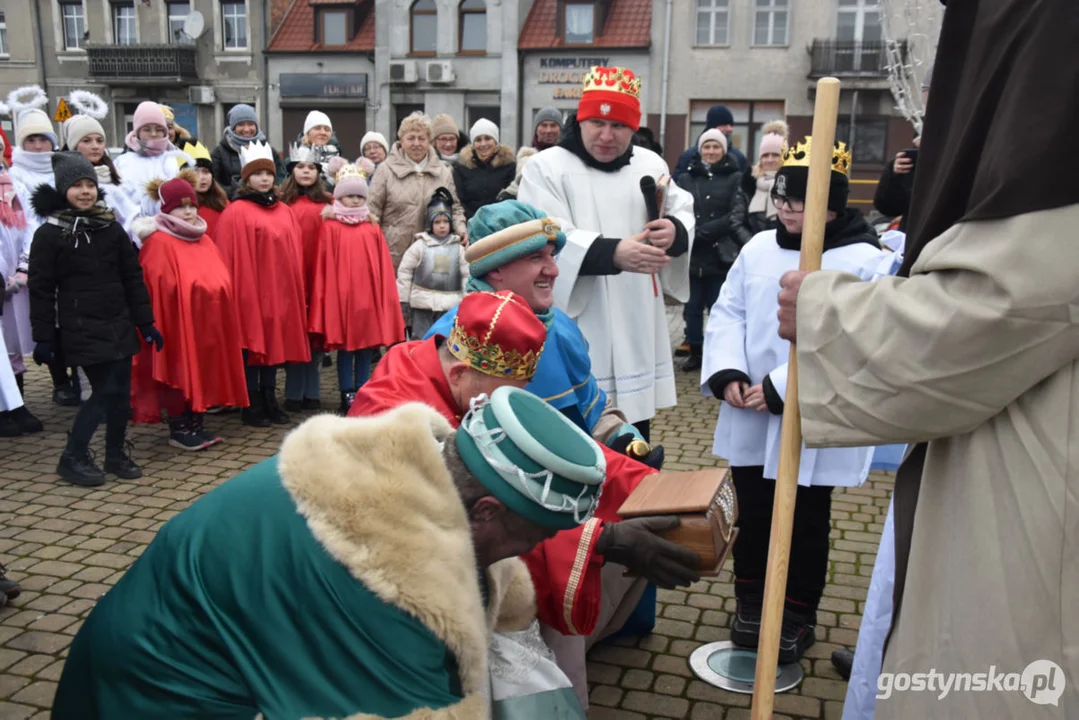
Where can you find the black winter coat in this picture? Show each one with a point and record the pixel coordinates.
(227, 167)
(715, 246)
(478, 183)
(93, 289)
(745, 224)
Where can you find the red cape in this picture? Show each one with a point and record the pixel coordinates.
(565, 569)
(191, 294)
(262, 250)
(211, 217)
(354, 302)
(308, 214)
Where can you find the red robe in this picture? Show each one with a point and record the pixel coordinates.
(261, 247)
(191, 294)
(565, 569)
(354, 302)
(211, 217)
(309, 216)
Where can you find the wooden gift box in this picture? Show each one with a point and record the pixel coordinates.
(705, 502)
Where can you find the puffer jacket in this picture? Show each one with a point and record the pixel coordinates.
(227, 167)
(93, 289)
(714, 189)
(745, 224)
(399, 195)
(478, 183)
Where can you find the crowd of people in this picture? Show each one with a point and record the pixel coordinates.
(502, 348)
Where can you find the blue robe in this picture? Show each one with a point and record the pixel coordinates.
(564, 377)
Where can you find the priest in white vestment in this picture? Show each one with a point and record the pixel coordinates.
(616, 265)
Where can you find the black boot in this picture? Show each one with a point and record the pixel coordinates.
(346, 401)
(78, 468)
(9, 426)
(254, 415)
(274, 412)
(327, 361)
(293, 405)
(117, 460)
(20, 381)
(797, 635)
(26, 421)
(843, 660)
(746, 624)
(312, 404)
(66, 394)
(693, 362)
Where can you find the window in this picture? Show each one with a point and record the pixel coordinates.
(870, 139)
(473, 15)
(580, 23)
(74, 24)
(748, 119)
(859, 34)
(3, 35)
(334, 28)
(424, 27)
(770, 23)
(487, 112)
(402, 111)
(713, 17)
(178, 12)
(123, 24)
(234, 21)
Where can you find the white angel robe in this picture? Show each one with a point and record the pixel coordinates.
(137, 170)
(623, 316)
(10, 397)
(28, 171)
(743, 334)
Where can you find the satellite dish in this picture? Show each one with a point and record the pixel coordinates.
(194, 25)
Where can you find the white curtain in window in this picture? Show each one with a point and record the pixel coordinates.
(579, 20)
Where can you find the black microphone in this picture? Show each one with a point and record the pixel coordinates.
(648, 189)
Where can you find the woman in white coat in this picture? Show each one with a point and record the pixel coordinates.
(744, 364)
(151, 156)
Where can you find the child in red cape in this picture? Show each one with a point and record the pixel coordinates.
(260, 241)
(305, 194)
(211, 196)
(354, 304)
(191, 295)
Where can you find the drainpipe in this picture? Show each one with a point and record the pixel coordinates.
(40, 48)
(853, 120)
(266, 66)
(666, 76)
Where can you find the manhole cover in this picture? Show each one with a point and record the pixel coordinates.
(729, 667)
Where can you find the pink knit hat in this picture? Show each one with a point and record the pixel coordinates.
(771, 143)
(712, 134)
(349, 181)
(149, 113)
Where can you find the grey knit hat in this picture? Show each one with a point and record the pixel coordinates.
(242, 113)
(547, 114)
(69, 168)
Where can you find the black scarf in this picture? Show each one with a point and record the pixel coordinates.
(1003, 71)
(78, 225)
(571, 140)
(266, 199)
(848, 228)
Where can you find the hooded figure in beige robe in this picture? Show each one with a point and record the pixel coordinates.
(974, 354)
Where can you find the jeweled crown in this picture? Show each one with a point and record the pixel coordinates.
(613, 79)
(799, 154)
(349, 170)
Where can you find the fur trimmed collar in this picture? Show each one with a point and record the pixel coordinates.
(503, 156)
(377, 495)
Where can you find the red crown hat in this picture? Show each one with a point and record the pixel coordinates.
(611, 93)
(497, 334)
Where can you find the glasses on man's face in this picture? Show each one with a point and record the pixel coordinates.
(792, 204)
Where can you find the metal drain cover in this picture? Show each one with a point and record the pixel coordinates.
(729, 667)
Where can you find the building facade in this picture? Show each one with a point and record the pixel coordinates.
(127, 51)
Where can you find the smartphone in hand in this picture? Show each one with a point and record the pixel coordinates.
(911, 154)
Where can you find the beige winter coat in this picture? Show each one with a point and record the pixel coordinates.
(977, 353)
(399, 196)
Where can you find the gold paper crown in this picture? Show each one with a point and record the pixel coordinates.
(798, 156)
(613, 79)
(349, 170)
(196, 151)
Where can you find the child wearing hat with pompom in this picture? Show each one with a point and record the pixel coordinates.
(191, 294)
(431, 278)
(354, 303)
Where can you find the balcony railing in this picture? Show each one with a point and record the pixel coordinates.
(843, 58)
(143, 63)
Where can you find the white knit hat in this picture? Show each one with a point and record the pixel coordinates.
(33, 122)
(483, 126)
(79, 126)
(314, 119)
(375, 137)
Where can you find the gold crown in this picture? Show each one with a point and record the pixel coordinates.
(489, 357)
(798, 156)
(613, 79)
(349, 170)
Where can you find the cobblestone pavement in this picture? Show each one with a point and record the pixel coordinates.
(67, 545)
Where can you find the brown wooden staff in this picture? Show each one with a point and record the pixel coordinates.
(825, 111)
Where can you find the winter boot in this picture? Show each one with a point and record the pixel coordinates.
(693, 362)
(843, 661)
(198, 426)
(254, 415)
(274, 412)
(119, 463)
(746, 625)
(293, 405)
(20, 382)
(183, 436)
(797, 634)
(9, 426)
(26, 421)
(80, 469)
(66, 395)
(312, 404)
(682, 350)
(346, 401)
(327, 361)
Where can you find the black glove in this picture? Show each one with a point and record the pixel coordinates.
(44, 353)
(151, 336)
(633, 543)
(654, 458)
